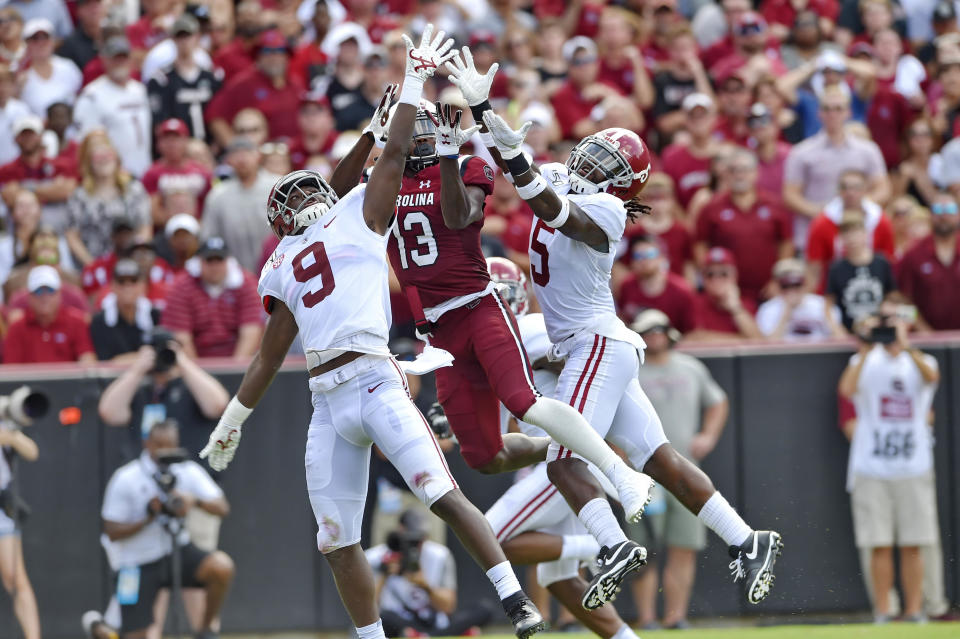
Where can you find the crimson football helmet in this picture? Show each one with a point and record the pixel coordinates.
(614, 161)
(511, 281)
(293, 193)
(423, 147)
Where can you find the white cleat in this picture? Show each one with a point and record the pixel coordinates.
(635, 493)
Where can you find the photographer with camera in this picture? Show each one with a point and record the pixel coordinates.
(417, 584)
(890, 472)
(144, 506)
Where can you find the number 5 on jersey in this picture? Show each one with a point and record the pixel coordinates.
(309, 263)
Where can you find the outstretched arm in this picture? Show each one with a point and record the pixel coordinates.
(350, 168)
(461, 205)
(379, 203)
(277, 338)
(555, 210)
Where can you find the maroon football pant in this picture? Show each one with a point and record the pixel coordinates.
(490, 366)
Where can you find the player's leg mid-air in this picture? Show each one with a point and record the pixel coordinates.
(582, 209)
(328, 281)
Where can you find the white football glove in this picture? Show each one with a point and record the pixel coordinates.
(422, 61)
(508, 141)
(381, 117)
(222, 445)
(474, 86)
(310, 215)
(449, 136)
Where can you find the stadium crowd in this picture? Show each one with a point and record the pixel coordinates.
(805, 167)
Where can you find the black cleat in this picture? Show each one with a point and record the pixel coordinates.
(613, 564)
(524, 616)
(753, 562)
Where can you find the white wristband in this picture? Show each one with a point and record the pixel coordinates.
(411, 91)
(561, 219)
(487, 139)
(508, 177)
(533, 189)
(235, 413)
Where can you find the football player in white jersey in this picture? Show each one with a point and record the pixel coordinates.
(531, 520)
(582, 209)
(328, 281)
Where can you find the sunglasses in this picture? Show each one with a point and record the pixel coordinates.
(944, 209)
(250, 130)
(126, 280)
(39, 37)
(789, 286)
(214, 258)
(760, 121)
(579, 62)
(44, 290)
(751, 29)
(717, 273)
(833, 108)
(646, 254)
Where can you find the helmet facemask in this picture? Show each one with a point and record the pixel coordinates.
(595, 165)
(423, 149)
(292, 194)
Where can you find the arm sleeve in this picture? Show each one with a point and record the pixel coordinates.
(710, 392)
(793, 167)
(475, 171)
(766, 317)
(607, 212)
(82, 343)
(883, 241)
(704, 226)
(117, 502)
(817, 241)
(198, 483)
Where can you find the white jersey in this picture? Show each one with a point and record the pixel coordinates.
(124, 111)
(533, 333)
(333, 278)
(892, 438)
(572, 280)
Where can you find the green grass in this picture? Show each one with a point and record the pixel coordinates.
(864, 631)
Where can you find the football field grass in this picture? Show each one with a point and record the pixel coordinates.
(838, 631)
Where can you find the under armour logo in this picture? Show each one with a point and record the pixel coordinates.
(424, 184)
(425, 63)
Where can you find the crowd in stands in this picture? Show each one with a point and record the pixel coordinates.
(805, 165)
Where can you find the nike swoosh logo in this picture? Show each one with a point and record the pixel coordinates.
(330, 222)
(753, 553)
(373, 388)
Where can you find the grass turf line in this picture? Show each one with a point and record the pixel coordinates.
(859, 631)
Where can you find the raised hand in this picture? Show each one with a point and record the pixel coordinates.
(449, 136)
(422, 61)
(381, 117)
(508, 141)
(474, 86)
(222, 445)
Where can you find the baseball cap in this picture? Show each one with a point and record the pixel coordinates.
(182, 222)
(43, 276)
(172, 125)
(720, 255)
(944, 11)
(213, 247)
(654, 319)
(859, 48)
(28, 123)
(272, 41)
(574, 44)
(789, 271)
(314, 97)
(186, 23)
(750, 23)
(37, 25)
(483, 38)
(695, 100)
(127, 268)
(116, 46)
(831, 60)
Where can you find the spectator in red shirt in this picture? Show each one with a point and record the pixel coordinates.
(721, 312)
(688, 163)
(213, 308)
(664, 222)
(50, 179)
(754, 52)
(734, 99)
(621, 64)
(781, 14)
(50, 331)
(152, 28)
(576, 99)
(929, 273)
(732, 10)
(236, 55)
(317, 130)
(309, 60)
(770, 149)
(173, 172)
(823, 243)
(263, 86)
(652, 285)
(752, 224)
(364, 13)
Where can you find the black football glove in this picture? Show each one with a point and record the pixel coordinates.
(438, 421)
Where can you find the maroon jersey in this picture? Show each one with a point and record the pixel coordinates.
(440, 263)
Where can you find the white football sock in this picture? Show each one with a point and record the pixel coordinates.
(721, 518)
(569, 429)
(373, 631)
(598, 518)
(579, 547)
(503, 579)
(625, 632)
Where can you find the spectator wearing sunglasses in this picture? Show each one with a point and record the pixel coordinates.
(793, 314)
(930, 271)
(126, 314)
(650, 284)
(720, 311)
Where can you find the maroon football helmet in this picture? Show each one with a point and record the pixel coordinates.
(511, 281)
(291, 194)
(614, 161)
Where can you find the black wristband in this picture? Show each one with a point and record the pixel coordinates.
(517, 165)
(478, 109)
